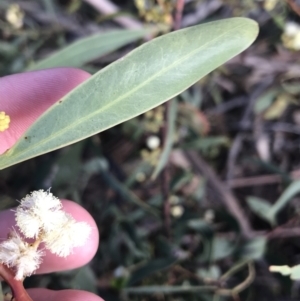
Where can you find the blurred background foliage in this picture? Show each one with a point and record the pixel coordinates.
(195, 199)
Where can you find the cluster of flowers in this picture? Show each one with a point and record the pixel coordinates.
(40, 217)
(4, 121)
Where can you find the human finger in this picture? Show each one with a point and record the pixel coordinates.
(25, 96)
(51, 262)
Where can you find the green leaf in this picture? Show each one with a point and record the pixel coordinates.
(212, 272)
(292, 89)
(222, 248)
(269, 212)
(151, 267)
(150, 75)
(84, 279)
(204, 144)
(254, 248)
(199, 225)
(262, 208)
(87, 49)
(265, 101)
(292, 190)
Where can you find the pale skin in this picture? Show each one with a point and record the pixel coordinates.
(24, 97)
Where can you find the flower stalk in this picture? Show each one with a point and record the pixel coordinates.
(18, 291)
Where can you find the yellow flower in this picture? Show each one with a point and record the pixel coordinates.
(4, 121)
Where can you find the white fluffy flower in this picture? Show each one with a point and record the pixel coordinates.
(69, 235)
(39, 211)
(19, 255)
(40, 216)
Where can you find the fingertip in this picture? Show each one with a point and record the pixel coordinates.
(25, 96)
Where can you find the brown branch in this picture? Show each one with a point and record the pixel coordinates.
(283, 233)
(261, 180)
(165, 178)
(17, 288)
(165, 173)
(244, 123)
(294, 6)
(228, 198)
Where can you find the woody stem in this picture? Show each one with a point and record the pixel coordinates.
(18, 291)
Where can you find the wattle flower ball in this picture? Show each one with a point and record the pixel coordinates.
(40, 216)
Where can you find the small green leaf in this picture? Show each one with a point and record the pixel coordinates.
(87, 49)
(269, 212)
(199, 225)
(222, 248)
(262, 208)
(151, 267)
(287, 195)
(293, 89)
(278, 107)
(265, 101)
(150, 75)
(204, 144)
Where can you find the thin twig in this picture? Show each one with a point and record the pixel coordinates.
(201, 12)
(233, 154)
(294, 6)
(178, 14)
(244, 124)
(165, 178)
(233, 270)
(242, 286)
(262, 180)
(254, 181)
(108, 8)
(165, 173)
(229, 199)
(283, 233)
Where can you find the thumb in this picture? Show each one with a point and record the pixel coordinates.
(25, 96)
